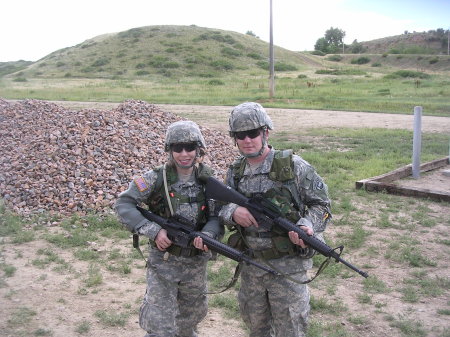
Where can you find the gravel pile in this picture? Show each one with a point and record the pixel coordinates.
(58, 160)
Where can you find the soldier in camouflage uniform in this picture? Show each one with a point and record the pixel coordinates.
(273, 305)
(175, 300)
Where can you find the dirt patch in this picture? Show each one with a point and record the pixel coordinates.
(435, 180)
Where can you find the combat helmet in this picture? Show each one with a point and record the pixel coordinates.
(184, 132)
(248, 116)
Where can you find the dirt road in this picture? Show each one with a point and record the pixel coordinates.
(217, 116)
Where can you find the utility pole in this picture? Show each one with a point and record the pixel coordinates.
(271, 66)
(448, 41)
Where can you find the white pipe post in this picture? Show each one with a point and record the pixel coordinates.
(417, 142)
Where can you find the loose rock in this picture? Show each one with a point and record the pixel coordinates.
(58, 160)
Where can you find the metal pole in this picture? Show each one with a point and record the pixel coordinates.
(272, 67)
(417, 142)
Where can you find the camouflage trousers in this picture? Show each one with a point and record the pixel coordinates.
(274, 306)
(175, 300)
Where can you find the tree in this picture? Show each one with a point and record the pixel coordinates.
(321, 45)
(356, 47)
(249, 32)
(331, 42)
(335, 36)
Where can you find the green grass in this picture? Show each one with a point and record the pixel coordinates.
(345, 93)
(112, 317)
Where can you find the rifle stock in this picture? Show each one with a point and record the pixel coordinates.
(219, 191)
(181, 234)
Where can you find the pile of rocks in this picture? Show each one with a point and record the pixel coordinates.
(58, 160)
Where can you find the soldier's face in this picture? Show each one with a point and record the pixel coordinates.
(249, 145)
(183, 156)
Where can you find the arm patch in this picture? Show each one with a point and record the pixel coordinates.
(141, 184)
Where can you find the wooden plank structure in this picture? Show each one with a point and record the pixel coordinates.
(383, 183)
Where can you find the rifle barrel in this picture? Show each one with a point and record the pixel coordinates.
(219, 191)
(213, 244)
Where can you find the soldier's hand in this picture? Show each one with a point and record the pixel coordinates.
(162, 241)
(243, 217)
(295, 239)
(198, 243)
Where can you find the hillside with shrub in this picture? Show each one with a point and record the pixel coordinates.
(179, 51)
(433, 42)
(170, 51)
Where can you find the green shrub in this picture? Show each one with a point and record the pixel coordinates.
(318, 52)
(158, 61)
(171, 64)
(222, 64)
(336, 58)
(360, 60)
(384, 92)
(216, 82)
(434, 60)
(406, 74)
(142, 72)
(101, 62)
(284, 67)
(340, 72)
(263, 65)
(255, 56)
(227, 51)
(205, 75)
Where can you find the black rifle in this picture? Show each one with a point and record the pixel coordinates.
(266, 215)
(181, 233)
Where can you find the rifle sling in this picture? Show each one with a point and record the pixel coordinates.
(136, 245)
(319, 271)
(237, 272)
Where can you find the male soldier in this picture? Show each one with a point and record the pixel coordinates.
(175, 300)
(273, 305)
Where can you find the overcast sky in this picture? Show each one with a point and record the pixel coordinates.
(32, 29)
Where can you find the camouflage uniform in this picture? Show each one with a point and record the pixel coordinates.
(275, 305)
(175, 300)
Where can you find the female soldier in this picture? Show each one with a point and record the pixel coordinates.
(175, 300)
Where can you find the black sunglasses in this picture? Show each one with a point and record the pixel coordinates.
(250, 133)
(186, 146)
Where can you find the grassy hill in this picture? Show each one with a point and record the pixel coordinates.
(171, 51)
(433, 42)
(13, 67)
(180, 51)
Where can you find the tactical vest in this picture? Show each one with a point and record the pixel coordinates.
(285, 199)
(158, 203)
